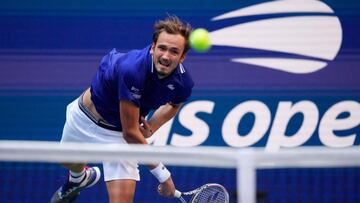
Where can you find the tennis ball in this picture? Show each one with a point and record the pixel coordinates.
(199, 40)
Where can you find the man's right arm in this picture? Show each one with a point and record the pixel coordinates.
(129, 116)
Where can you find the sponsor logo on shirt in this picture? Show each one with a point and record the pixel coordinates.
(171, 86)
(135, 92)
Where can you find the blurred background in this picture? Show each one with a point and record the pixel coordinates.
(279, 74)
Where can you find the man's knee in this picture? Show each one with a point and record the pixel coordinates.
(121, 190)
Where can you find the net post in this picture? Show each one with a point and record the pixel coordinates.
(246, 176)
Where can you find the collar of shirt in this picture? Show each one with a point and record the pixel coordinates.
(179, 69)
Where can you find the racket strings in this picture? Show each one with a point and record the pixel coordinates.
(211, 195)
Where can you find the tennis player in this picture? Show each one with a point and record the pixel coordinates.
(123, 91)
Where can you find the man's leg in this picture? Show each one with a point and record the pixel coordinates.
(121, 191)
(76, 167)
(80, 176)
(78, 128)
(76, 171)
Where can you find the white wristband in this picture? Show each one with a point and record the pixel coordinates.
(161, 173)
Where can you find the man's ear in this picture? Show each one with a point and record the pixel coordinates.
(182, 58)
(152, 48)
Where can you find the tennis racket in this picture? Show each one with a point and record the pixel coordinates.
(208, 193)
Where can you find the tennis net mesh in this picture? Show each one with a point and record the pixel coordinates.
(29, 171)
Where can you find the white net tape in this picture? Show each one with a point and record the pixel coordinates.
(245, 160)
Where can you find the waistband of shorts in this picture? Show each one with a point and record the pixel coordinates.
(98, 121)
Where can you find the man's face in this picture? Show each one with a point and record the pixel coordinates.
(168, 52)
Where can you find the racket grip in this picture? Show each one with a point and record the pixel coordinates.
(177, 194)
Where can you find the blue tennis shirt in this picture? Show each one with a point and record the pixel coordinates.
(132, 76)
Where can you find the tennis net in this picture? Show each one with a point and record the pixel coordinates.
(29, 171)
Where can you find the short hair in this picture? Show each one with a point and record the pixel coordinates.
(173, 25)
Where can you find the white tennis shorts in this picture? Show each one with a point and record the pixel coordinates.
(79, 128)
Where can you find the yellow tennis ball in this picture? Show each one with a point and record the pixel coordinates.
(199, 40)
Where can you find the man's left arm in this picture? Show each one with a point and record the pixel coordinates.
(163, 114)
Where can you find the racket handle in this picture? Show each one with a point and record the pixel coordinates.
(177, 194)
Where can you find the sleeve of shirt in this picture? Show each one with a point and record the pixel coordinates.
(183, 96)
(128, 89)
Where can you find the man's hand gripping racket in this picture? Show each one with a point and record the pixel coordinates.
(208, 193)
